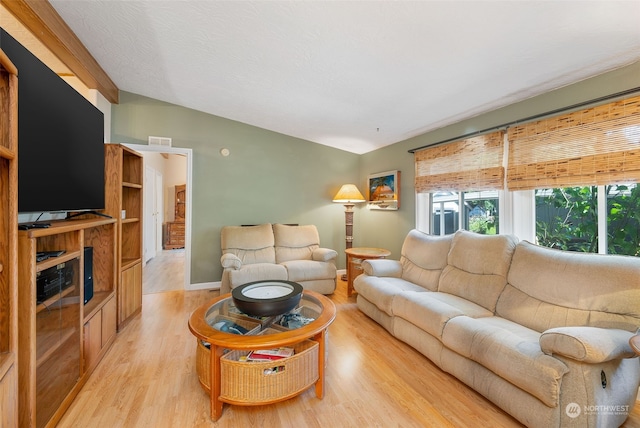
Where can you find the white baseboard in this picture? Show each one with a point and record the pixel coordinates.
(341, 272)
(204, 286)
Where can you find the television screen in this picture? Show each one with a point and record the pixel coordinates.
(60, 139)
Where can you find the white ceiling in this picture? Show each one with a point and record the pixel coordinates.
(356, 75)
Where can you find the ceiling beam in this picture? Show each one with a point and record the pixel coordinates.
(39, 17)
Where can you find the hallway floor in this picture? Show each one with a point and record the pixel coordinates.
(164, 272)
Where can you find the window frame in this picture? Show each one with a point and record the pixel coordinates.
(513, 205)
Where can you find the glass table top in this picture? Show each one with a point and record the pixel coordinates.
(223, 316)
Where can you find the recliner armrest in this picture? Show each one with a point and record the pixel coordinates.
(382, 267)
(230, 261)
(324, 255)
(587, 344)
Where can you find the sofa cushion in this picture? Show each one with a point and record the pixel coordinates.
(423, 257)
(381, 291)
(477, 267)
(551, 288)
(431, 311)
(509, 350)
(257, 272)
(251, 244)
(295, 242)
(305, 270)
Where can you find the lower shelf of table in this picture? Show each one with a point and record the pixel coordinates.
(254, 383)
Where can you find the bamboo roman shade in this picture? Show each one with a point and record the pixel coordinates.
(465, 165)
(596, 146)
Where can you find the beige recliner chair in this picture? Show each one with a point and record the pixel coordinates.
(283, 252)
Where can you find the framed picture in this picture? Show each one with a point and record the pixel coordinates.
(384, 190)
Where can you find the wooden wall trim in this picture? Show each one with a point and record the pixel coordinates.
(48, 26)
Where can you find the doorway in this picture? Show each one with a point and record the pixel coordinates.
(185, 254)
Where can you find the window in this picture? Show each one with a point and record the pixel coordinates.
(566, 181)
(623, 219)
(459, 182)
(445, 218)
(576, 162)
(479, 212)
(569, 218)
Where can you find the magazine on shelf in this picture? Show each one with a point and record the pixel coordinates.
(270, 354)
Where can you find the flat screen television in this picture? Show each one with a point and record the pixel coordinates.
(60, 139)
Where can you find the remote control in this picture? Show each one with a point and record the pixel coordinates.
(55, 253)
(33, 226)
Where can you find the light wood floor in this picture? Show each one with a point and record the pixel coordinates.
(164, 272)
(148, 379)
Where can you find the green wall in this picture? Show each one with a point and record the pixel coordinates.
(268, 177)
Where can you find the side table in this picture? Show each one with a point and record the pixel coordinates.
(355, 256)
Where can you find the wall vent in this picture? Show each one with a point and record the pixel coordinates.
(160, 141)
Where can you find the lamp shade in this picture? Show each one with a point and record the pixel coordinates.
(348, 194)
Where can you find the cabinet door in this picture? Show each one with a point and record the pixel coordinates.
(130, 292)
(98, 332)
(92, 340)
(109, 315)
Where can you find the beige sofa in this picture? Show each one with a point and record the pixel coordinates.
(542, 333)
(278, 251)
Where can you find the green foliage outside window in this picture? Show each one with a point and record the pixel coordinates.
(624, 220)
(486, 220)
(568, 219)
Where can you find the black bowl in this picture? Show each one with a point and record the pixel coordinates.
(267, 298)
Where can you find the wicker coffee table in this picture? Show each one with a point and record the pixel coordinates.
(228, 379)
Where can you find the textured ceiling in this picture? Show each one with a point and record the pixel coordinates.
(355, 75)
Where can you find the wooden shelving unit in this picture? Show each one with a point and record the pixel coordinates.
(55, 331)
(181, 202)
(174, 230)
(8, 243)
(123, 189)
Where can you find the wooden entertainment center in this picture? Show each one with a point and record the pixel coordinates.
(61, 339)
(52, 336)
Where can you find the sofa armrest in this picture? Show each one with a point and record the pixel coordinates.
(324, 255)
(230, 261)
(382, 267)
(587, 344)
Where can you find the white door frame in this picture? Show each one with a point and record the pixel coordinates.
(187, 221)
(159, 207)
(150, 213)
